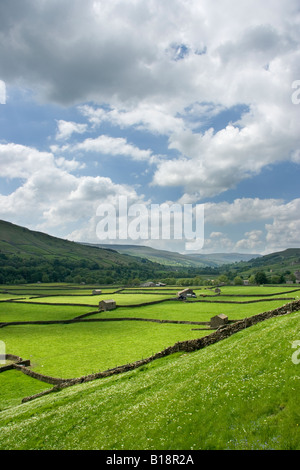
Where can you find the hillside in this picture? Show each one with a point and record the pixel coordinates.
(284, 262)
(16, 240)
(30, 256)
(176, 259)
(239, 393)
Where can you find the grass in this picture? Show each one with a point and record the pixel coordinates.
(240, 393)
(16, 311)
(194, 311)
(78, 349)
(72, 350)
(128, 299)
(15, 386)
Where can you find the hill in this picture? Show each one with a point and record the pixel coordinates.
(239, 393)
(281, 263)
(176, 259)
(31, 256)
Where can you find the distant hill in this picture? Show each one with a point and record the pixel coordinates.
(20, 241)
(31, 256)
(281, 262)
(176, 259)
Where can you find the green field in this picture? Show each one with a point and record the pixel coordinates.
(247, 380)
(240, 393)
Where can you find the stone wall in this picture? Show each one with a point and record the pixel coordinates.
(15, 360)
(182, 346)
(36, 375)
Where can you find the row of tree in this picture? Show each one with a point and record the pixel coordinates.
(17, 270)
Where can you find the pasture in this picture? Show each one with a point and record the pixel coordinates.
(60, 330)
(241, 393)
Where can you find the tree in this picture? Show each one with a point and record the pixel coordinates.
(197, 281)
(223, 279)
(275, 279)
(261, 278)
(238, 281)
(45, 278)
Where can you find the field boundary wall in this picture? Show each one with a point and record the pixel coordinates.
(182, 346)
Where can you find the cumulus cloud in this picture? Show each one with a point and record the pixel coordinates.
(251, 242)
(19, 161)
(168, 68)
(67, 128)
(105, 144)
(50, 195)
(243, 210)
(120, 50)
(155, 118)
(280, 223)
(202, 55)
(214, 162)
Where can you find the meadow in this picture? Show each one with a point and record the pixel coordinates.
(104, 340)
(239, 394)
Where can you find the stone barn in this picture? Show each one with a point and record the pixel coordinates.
(218, 320)
(183, 294)
(97, 291)
(106, 305)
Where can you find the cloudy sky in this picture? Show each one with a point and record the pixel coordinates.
(178, 101)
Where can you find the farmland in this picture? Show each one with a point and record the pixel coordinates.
(239, 393)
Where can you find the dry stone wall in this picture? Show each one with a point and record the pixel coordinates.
(182, 346)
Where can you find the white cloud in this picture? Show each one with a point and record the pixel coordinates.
(67, 128)
(119, 50)
(19, 161)
(156, 118)
(285, 229)
(218, 242)
(50, 195)
(105, 144)
(242, 210)
(252, 241)
(167, 68)
(158, 66)
(280, 223)
(214, 162)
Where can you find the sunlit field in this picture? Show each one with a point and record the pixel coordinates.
(81, 340)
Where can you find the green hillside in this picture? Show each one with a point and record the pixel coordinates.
(30, 256)
(239, 393)
(285, 262)
(176, 259)
(20, 241)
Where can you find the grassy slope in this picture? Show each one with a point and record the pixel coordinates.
(279, 263)
(177, 259)
(241, 393)
(78, 349)
(20, 241)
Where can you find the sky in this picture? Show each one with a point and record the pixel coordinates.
(190, 103)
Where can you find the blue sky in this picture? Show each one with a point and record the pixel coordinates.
(181, 102)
